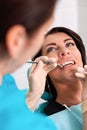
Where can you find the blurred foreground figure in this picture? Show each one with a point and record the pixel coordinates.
(23, 24)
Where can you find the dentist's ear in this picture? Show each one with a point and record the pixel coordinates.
(15, 40)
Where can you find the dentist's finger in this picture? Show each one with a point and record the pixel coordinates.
(85, 67)
(80, 75)
(81, 70)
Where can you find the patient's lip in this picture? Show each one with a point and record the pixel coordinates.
(66, 63)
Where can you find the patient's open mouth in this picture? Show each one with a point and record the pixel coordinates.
(67, 63)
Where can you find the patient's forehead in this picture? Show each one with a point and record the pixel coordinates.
(56, 37)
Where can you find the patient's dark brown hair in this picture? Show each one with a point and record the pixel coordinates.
(79, 43)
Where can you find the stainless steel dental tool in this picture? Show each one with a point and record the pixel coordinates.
(36, 62)
(45, 62)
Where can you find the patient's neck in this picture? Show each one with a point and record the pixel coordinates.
(69, 94)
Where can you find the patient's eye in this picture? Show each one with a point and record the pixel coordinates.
(51, 49)
(70, 44)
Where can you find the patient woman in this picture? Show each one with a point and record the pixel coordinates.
(64, 84)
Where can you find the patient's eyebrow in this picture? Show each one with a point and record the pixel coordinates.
(50, 44)
(67, 39)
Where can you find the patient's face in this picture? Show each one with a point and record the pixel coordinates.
(63, 48)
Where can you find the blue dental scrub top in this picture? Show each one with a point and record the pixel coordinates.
(14, 114)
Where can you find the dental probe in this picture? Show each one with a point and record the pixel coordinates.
(45, 62)
(35, 62)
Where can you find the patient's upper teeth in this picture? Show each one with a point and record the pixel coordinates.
(68, 62)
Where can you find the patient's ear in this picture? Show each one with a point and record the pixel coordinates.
(15, 40)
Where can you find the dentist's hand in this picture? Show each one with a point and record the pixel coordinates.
(37, 79)
(38, 73)
(81, 73)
